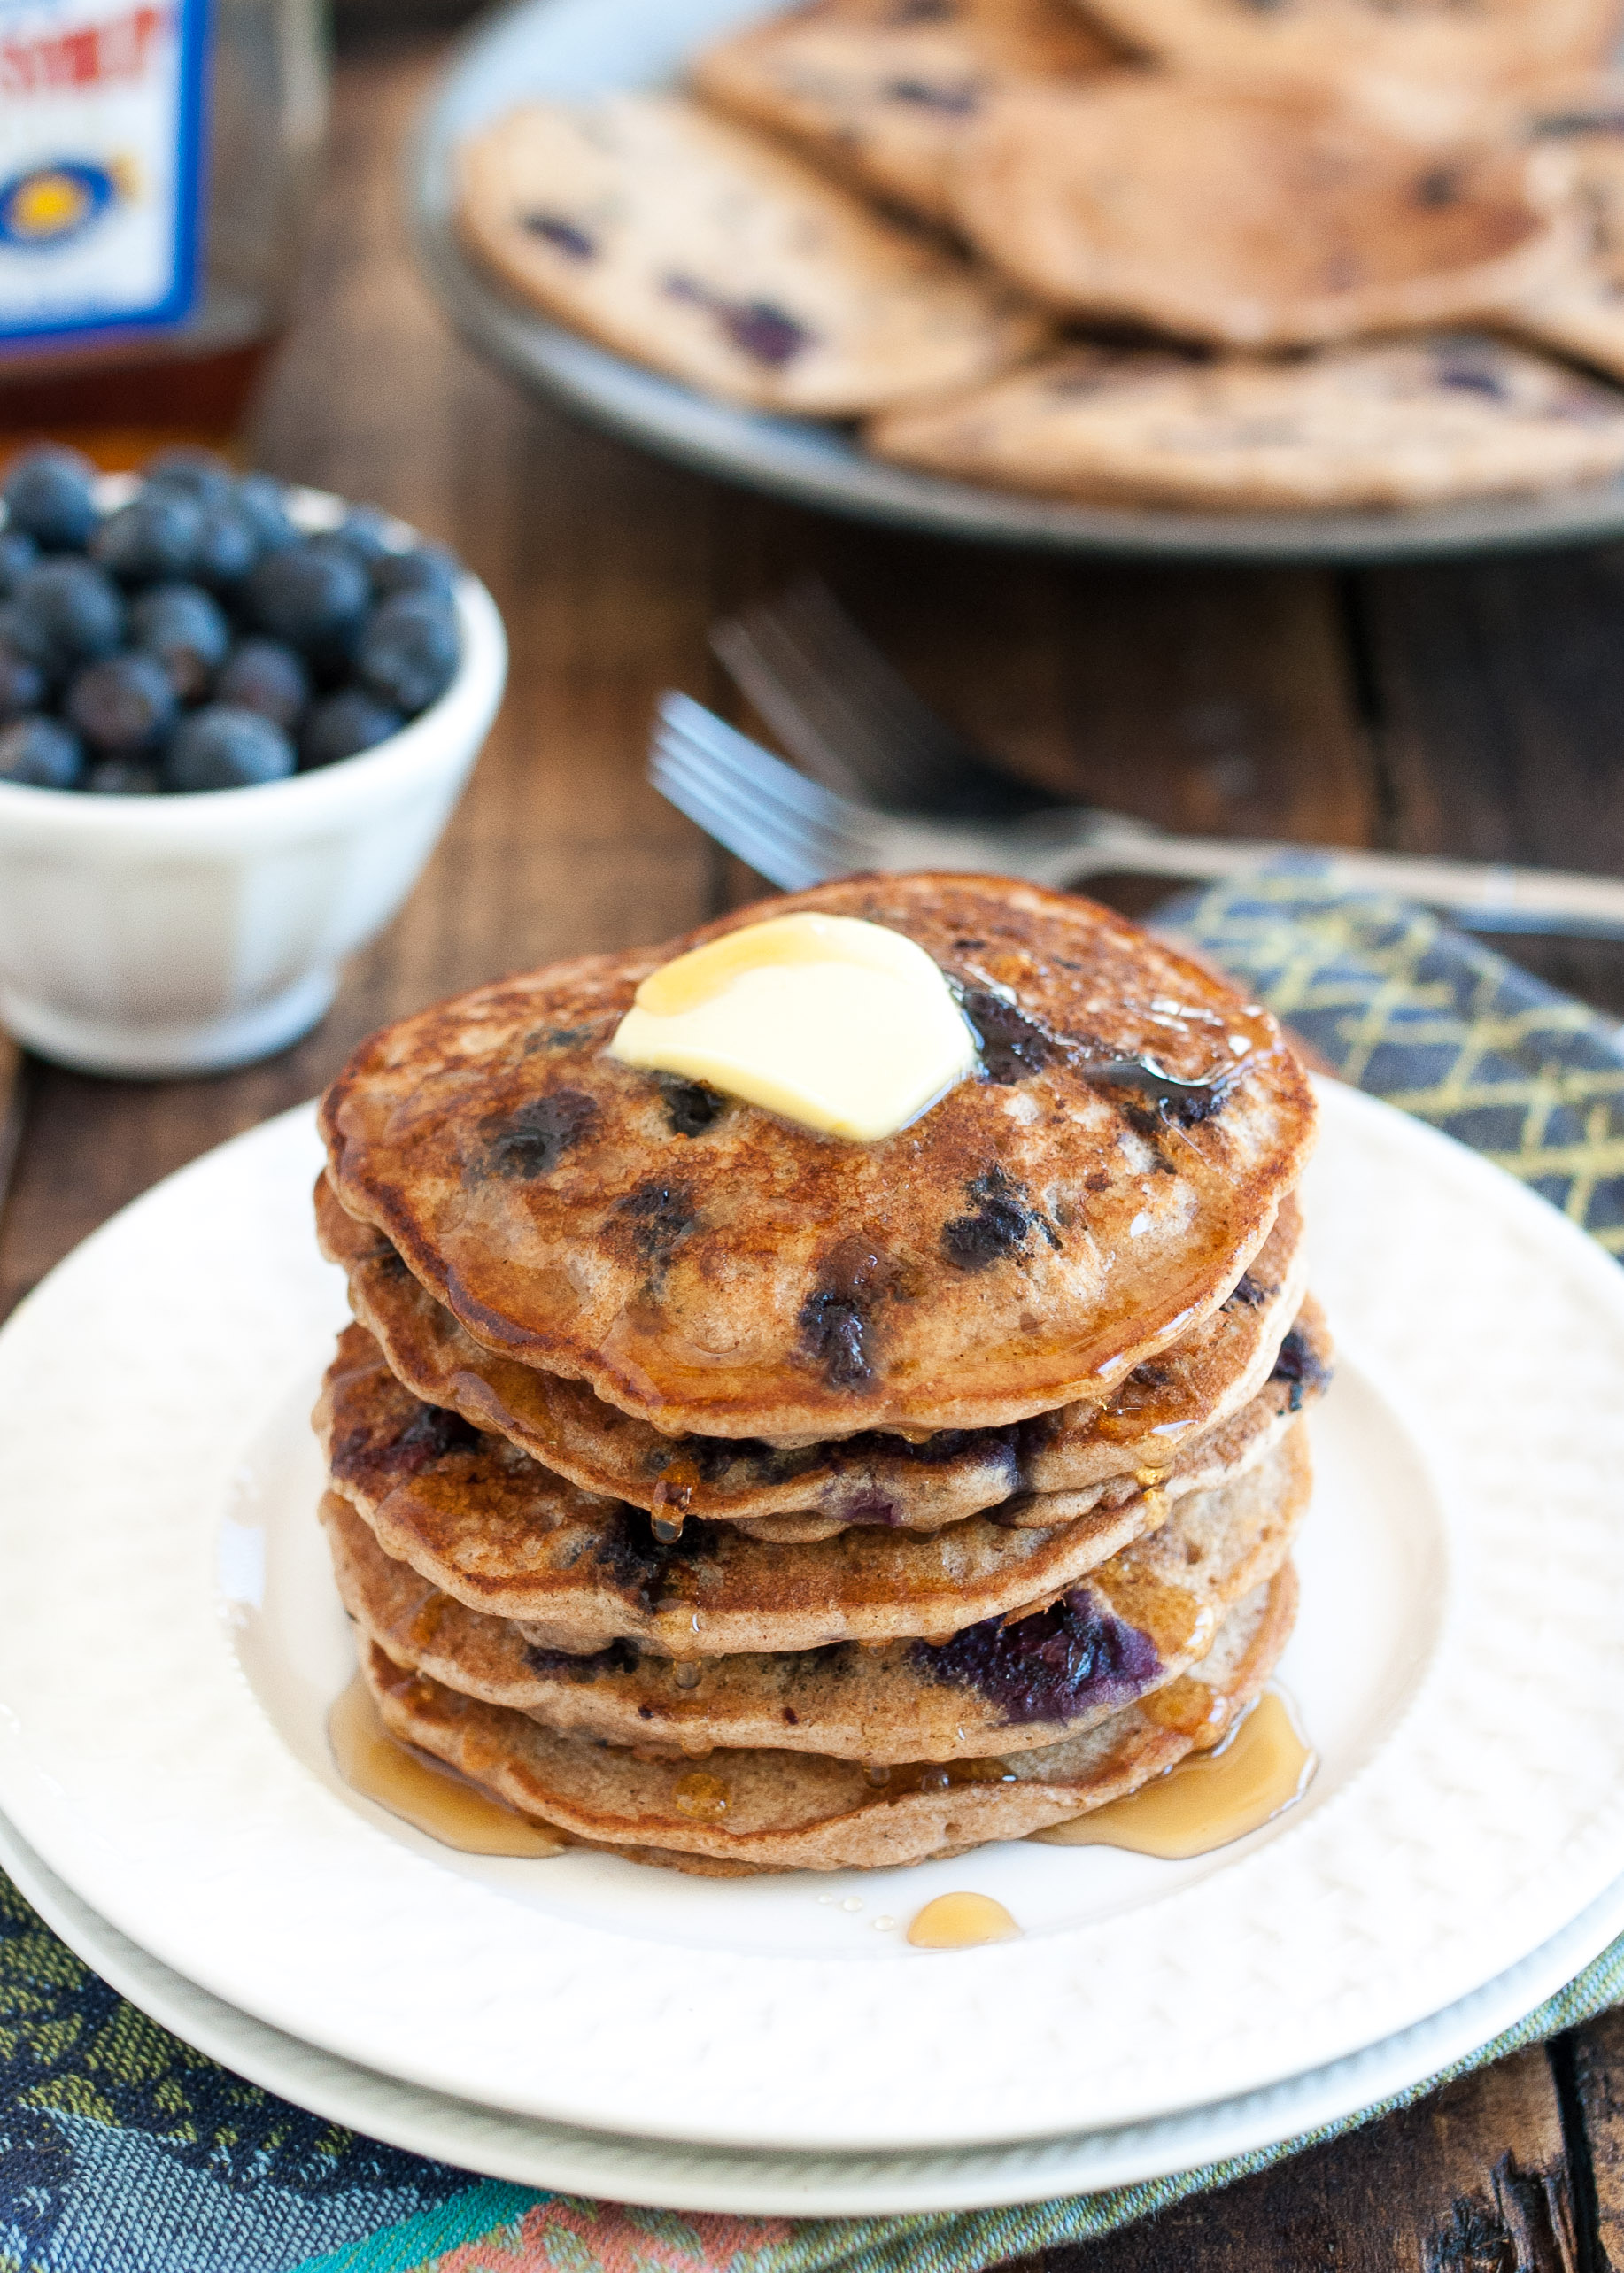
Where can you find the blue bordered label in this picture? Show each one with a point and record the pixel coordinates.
(102, 164)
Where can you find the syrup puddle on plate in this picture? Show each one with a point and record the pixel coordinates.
(1209, 1800)
(961, 1921)
(431, 1798)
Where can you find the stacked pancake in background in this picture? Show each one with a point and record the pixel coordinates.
(1198, 253)
(739, 1497)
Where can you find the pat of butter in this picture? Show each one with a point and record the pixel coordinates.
(844, 1026)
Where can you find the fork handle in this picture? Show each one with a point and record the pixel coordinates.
(1479, 896)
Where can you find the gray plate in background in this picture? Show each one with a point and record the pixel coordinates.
(577, 48)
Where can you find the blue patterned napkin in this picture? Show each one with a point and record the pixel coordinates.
(123, 2151)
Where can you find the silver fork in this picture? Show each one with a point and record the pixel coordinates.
(856, 724)
(796, 832)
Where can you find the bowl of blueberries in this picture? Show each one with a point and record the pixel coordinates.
(235, 718)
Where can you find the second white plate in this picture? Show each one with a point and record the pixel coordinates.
(159, 1741)
(666, 2174)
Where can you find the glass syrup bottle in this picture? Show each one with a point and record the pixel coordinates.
(157, 161)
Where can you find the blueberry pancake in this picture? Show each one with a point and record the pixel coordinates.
(882, 91)
(685, 241)
(1249, 220)
(779, 1810)
(811, 1491)
(1581, 313)
(1489, 47)
(1141, 1620)
(1094, 1195)
(502, 1535)
(1400, 423)
(1298, 1375)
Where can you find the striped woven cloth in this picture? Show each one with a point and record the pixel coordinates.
(124, 2150)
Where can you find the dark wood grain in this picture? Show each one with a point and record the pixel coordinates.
(1475, 709)
(1473, 2180)
(1597, 2054)
(362, 24)
(1497, 706)
(13, 1081)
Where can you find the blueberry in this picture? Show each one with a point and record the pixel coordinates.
(429, 568)
(313, 595)
(18, 554)
(47, 495)
(408, 651)
(227, 546)
(196, 474)
(152, 539)
(122, 706)
(186, 630)
(41, 752)
(22, 683)
(69, 613)
(223, 748)
(262, 675)
(21, 638)
(264, 504)
(124, 777)
(365, 531)
(343, 725)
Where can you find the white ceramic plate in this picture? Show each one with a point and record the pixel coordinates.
(669, 2176)
(171, 1640)
(572, 49)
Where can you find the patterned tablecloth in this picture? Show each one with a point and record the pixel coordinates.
(124, 2150)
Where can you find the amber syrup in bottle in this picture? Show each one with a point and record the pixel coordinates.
(156, 158)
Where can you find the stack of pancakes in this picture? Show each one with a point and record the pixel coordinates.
(738, 1498)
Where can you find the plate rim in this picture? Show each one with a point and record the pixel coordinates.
(675, 2175)
(662, 416)
(46, 1826)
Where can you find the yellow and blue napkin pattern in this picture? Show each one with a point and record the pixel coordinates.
(124, 2150)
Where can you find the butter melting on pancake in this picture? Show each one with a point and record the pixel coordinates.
(840, 1026)
(1035, 1236)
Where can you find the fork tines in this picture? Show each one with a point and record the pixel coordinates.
(788, 829)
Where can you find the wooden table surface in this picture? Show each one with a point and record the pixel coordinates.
(1474, 710)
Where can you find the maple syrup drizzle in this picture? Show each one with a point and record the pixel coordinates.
(432, 1798)
(702, 1799)
(939, 1775)
(961, 1921)
(1209, 1800)
(1180, 1624)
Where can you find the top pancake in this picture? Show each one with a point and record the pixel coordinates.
(1025, 1245)
(884, 90)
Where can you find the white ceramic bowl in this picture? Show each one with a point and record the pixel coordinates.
(162, 935)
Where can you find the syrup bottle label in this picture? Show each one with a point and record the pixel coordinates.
(102, 148)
